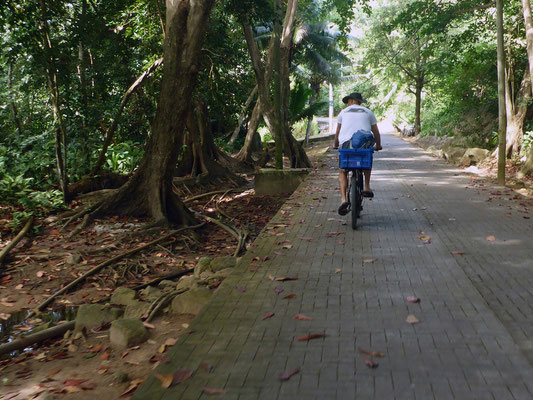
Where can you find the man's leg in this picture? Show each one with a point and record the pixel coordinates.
(343, 184)
(367, 173)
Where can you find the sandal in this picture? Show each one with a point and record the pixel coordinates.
(368, 193)
(344, 208)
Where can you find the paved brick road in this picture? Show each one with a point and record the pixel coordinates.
(475, 335)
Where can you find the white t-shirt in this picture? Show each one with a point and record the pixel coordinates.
(354, 118)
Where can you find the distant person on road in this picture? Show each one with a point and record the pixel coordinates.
(352, 119)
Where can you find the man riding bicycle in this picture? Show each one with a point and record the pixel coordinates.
(352, 119)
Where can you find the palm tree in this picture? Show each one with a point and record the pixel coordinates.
(316, 60)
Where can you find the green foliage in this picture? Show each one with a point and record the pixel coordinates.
(123, 157)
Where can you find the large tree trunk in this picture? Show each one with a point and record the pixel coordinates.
(125, 99)
(204, 157)
(53, 85)
(293, 149)
(243, 116)
(245, 153)
(528, 21)
(12, 105)
(150, 192)
(516, 110)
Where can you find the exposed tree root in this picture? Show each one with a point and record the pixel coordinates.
(163, 278)
(107, 263)
(240, 235)
(38, 337)
(214, 192)
(16, 240)
(162, 301)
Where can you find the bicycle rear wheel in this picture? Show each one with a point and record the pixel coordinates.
(356, 195)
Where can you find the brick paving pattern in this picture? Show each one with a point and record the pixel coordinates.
(475, 335)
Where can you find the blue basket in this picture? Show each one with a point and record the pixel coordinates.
(356, 159)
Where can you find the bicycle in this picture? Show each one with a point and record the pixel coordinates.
(355, 161)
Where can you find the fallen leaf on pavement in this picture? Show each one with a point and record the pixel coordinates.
(131, 388)
(369, 260)
(458, 253)
(290, 296)
(424, 238)
(310, 336)
(370, 363)
(206, 367)
(413, 299)
(490, 238)
(286, 278)
(268, 315)
(166, 380)
(216, 391)
(302, 317)
(412, 319)
(337, 270)
(285, 376)
(371, 353)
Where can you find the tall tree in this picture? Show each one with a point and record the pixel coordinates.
(149, 192)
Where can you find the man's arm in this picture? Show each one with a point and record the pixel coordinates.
(336, 143)
(377, 136)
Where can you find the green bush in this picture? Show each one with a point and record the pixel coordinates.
(123, 157)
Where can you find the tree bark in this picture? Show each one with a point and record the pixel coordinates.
(204, 157)
(61, 133)
(12, 105)
(293, 148)
(528, 21)
(516, 110)
(245, 153)
(418, 106)
(125, 99)
(242, 116)
(149, 192)
(502, 120)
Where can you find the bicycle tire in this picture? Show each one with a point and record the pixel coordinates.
(354, 193)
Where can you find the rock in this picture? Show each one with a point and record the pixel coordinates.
(453, 154)
(206, 275)
(166, 284)
(120, 377)
(474, 156)
(202, 265)
(220, 275)
(123, 296)
(127, 332)
(187, 282)
(191, 302)
(73, 259)
(90, 316)
(138, 309)
(221, 263)
(151, 293)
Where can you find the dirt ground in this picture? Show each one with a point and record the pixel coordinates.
(86, 367)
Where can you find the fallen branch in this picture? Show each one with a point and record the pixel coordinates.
(210, 193)
(38, 337)
(15, 241)
(163, 278)
(106, 264)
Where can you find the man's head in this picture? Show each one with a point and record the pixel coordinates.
(353, 98)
